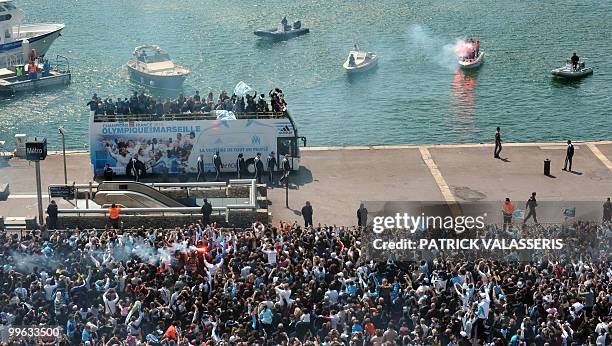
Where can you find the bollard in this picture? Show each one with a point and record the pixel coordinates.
(547, 167)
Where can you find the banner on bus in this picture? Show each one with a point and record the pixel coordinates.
(174, 146)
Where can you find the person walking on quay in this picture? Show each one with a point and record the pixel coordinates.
(259, 168)
(507, 210)
(362, 216)
(218, 165)
(271, 163)
(240, 165)
(52, 213)
(108, 172)
(200, 168)
(569, 155)
(607, 210)
(498, 144)
(307, 214)
(531, 205)
(113, 216)
(206, 212)
(286, 168)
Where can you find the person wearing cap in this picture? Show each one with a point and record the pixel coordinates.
(507, 210)
(271, 163)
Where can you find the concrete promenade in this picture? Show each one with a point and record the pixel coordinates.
(336, 179)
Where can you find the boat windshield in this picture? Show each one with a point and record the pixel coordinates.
(156, 57)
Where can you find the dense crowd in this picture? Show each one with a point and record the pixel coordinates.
(289, 285)
(146, 104)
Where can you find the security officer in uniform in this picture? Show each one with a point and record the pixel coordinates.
(240, 165)
(271, 165)
(259, 168)
(218, 164)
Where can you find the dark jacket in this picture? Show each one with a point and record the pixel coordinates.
(217, 161)
(240, 165)
(52, 211)
(307, 211)
(259, 167)
(207, 209)
(570, 150)
(271, 163)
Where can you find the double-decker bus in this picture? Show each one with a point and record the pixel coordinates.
(171, 144)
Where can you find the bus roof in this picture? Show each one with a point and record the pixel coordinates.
(186, 116)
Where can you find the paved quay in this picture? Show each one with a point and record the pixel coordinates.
(336, 179)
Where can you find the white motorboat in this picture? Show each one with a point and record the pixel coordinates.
(468, 63)
(17, 40)
(153, 67)
(568, 71)
(359, 61)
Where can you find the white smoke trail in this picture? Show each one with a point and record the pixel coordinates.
(433, 48)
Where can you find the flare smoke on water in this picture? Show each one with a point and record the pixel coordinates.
(435, 48)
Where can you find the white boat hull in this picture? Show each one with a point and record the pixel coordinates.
(38, 36)
(471, 63)
(569, 72)
(12, 86)
(361, 67)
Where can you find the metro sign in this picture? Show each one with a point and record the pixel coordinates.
(36, 149)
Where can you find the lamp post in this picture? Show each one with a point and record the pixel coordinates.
(62, 132)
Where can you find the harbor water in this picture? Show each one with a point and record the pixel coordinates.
(415, 95)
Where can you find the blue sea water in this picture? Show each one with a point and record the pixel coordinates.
(414, 96)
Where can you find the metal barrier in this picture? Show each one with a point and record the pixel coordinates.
(252, 205)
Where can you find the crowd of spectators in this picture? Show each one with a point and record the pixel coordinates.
(146, 104)
(290, 285)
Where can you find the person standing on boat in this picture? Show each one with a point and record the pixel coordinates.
(575, 59)
(46, 68)
(284, 23)
(33, 55)
(477, 47)
(569, 155)
(32, 72)
(218, 164)
(498, 145)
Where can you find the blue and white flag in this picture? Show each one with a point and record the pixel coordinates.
(519, 214)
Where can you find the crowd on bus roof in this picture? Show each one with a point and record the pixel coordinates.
(293, 285)
(146, 104)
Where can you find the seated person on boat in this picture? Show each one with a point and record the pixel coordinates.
(351, 60)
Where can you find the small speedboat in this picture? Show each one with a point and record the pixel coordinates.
(358, 61)
(153, 67)
(568, 71)
(468, 63)
(283, 31)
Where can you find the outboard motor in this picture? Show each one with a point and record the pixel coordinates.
(297, 24)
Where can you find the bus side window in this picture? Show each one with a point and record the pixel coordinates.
(287, 146)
